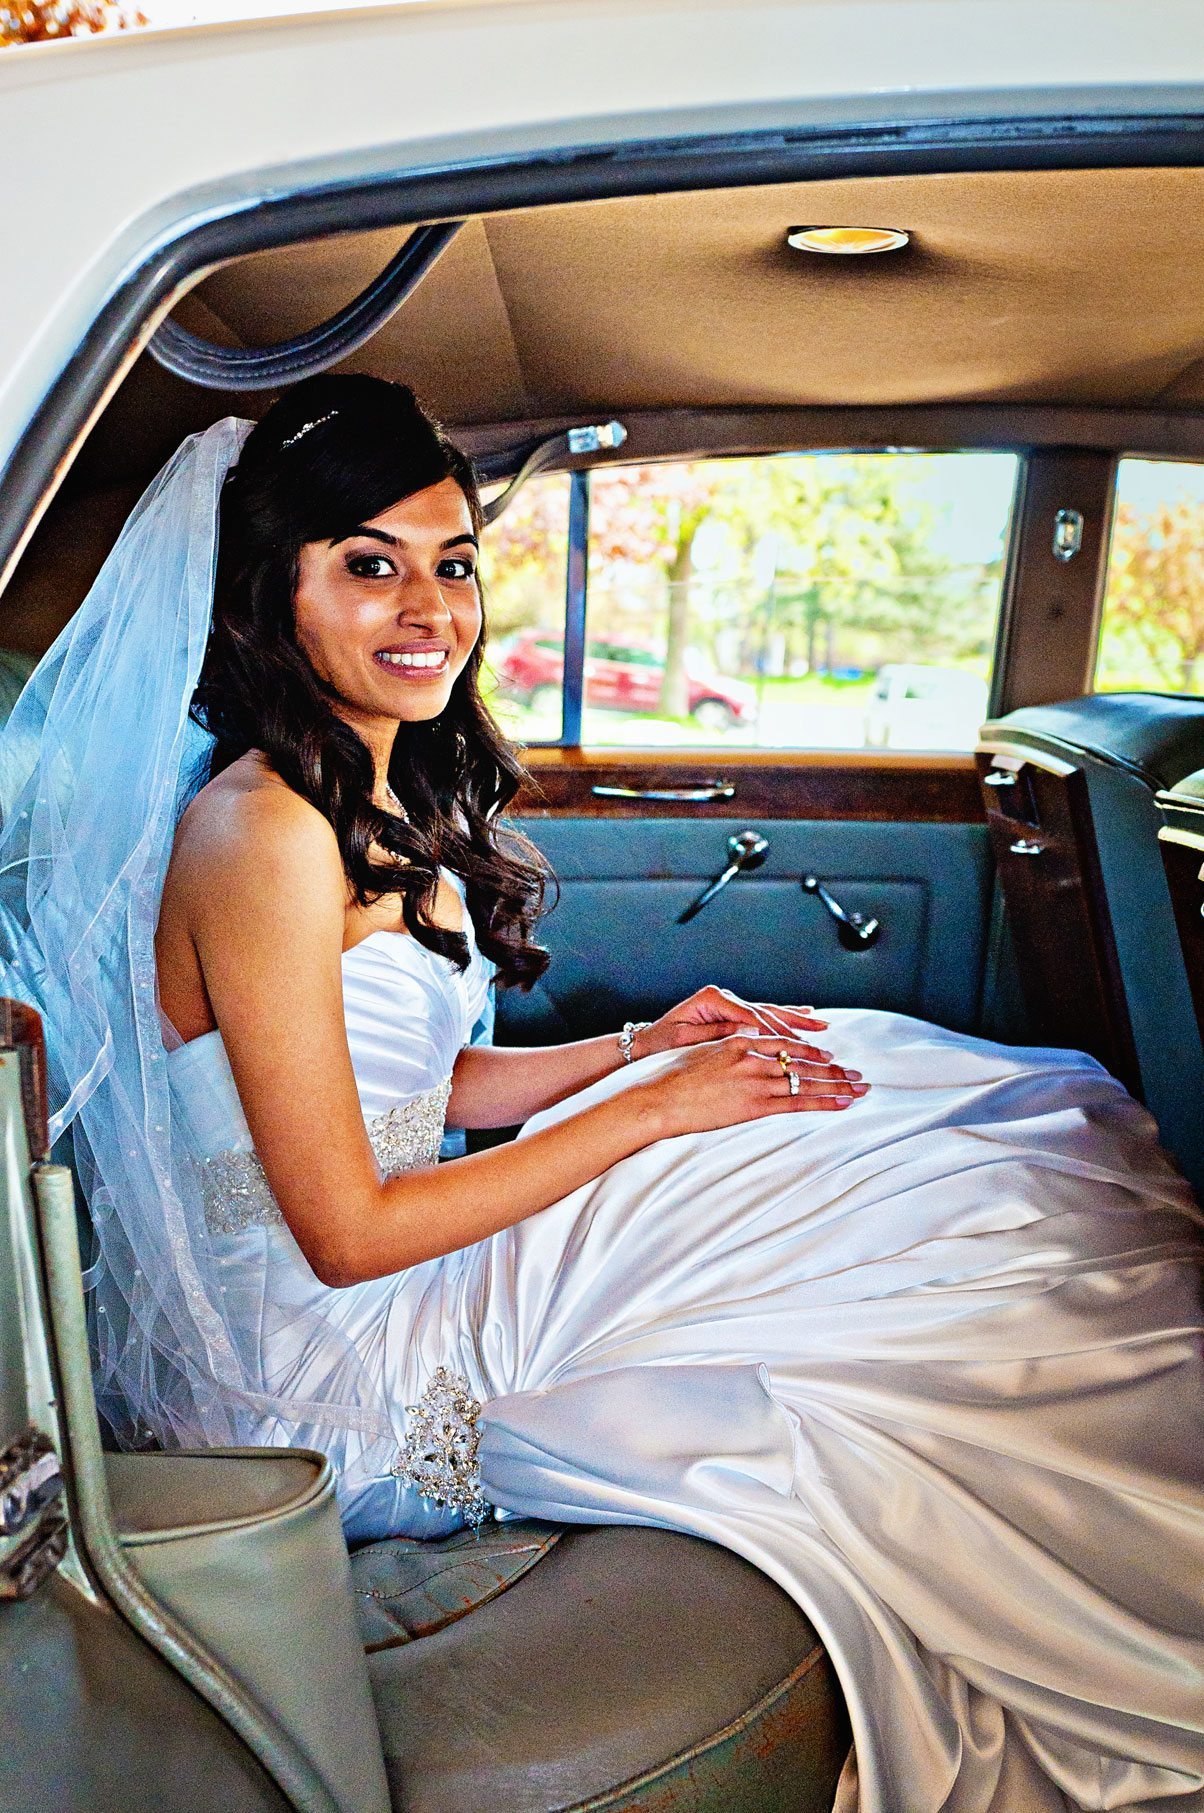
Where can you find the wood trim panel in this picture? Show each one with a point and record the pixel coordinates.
(1050, 622)
(21, 1031)
(712, 433)
(804, 784)
(1183, 859)
(1045, 848)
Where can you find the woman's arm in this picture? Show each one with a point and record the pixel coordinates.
(261, 882)
(500, 1086)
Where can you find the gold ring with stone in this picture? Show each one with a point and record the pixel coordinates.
(786, 1062)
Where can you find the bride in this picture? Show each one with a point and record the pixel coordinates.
(908, 1319)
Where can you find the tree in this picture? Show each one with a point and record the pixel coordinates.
(41, 21)
(856, 556)
(648, 516)
(1156, 588)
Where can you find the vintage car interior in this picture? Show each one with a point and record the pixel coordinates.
(1036, 879)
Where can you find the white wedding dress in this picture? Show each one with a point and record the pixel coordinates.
(933, 1364)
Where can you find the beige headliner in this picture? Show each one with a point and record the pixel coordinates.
(1048, 287)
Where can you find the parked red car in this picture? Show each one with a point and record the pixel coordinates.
(622, 676)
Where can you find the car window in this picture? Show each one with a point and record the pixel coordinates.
(1152, 621)
(524, 575)
(768, 596)
(786, 601)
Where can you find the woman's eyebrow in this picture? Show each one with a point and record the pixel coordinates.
(391, 541)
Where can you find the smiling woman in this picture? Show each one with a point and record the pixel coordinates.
(347, 572)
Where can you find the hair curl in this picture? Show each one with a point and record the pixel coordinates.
(330, 454)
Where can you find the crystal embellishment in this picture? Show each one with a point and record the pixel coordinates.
(439, 1456)
(236, 1191)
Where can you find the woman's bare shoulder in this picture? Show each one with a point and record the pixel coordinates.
(248, 819)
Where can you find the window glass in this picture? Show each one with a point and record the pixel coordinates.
(796, 600)
(524, 571)
(1152, 627)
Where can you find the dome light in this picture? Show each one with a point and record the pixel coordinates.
(846, 241)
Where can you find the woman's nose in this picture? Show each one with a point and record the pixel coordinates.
(422, 600)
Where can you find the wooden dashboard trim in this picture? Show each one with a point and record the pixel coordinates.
(867, 785)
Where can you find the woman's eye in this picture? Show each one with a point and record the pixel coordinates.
(370, 566)
(457, 568)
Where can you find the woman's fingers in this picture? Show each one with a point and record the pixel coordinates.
(800, 1054)
(788, 1019)
(722, 1004)
(807, 1078)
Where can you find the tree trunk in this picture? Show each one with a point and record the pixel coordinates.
(675, 692)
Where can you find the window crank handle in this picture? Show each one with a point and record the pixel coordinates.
(745, 850)
(855, 931)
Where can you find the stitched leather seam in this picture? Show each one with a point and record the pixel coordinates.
(535, 1550)
(613, 1796)
(453, 1616)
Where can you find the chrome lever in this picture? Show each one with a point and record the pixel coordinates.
(745, 850)
(694, 793)
(855, 931)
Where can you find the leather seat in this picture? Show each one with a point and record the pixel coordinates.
(1127, 747)
(536, 1667)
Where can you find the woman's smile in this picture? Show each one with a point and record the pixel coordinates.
(415, 661)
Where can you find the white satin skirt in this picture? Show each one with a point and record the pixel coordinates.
(932, 1363)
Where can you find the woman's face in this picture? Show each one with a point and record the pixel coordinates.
(388, 615)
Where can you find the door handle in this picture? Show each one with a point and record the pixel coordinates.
(699, 790)
(745, 850)
(855, 931)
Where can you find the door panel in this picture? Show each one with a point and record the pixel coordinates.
(617, 951)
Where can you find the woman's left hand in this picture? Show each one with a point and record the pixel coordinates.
(716, 1013)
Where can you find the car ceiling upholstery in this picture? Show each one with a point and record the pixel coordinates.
(1077, 286)
(1082, 290)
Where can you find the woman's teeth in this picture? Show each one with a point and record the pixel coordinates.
(411, 660)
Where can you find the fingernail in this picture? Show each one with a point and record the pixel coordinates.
(852, 1076)
(821, 1053)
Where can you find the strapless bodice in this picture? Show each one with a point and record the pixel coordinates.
(408, 1014)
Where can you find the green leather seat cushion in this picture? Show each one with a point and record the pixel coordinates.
(630, 1669)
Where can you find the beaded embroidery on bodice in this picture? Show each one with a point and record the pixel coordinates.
(236, 1191)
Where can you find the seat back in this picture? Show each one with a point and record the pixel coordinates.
(1071, 793)
(1181, 839)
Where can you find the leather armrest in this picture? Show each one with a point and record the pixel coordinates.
(246, 1548)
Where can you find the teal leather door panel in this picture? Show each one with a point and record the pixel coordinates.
(617, 951)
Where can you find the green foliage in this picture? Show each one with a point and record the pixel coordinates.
(783, 565)
(1154, 605)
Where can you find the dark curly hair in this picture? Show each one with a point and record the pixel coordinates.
(369, 446)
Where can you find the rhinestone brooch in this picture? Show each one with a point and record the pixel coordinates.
(439, 1456)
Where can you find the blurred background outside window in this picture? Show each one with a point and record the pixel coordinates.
(1152, 624)
(787, 601)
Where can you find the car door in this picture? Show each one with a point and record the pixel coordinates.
(871, 883)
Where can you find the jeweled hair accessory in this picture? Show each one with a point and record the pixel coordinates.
(442, 1440)
(306, 426)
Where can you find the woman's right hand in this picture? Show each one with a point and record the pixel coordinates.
(740, 1078)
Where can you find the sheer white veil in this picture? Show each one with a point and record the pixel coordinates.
(97, 762)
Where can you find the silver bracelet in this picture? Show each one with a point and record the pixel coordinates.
(627, 1037)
